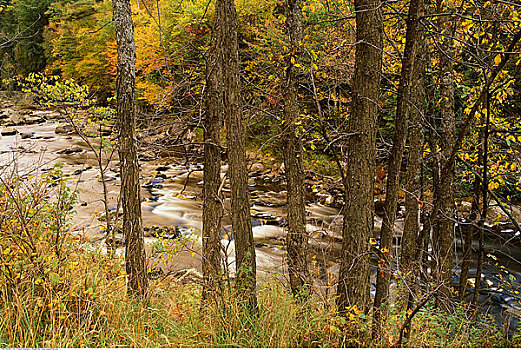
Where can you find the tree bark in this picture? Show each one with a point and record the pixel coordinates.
(212, 204)
(135, 257)
(292, 153)
(383, 278)
(443, 193)
(235, 132)
(472, 226)
(484, 189)
(410, 255)
(358, 223)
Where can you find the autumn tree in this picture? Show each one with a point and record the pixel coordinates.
(212, 204)
(383, 278)
(235, 144)
(292, 153)
(135, 257)
(413, 238)
(358, 224)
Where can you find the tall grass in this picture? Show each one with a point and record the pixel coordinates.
(58, 291)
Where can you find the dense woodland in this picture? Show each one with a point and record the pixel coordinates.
(406, 112)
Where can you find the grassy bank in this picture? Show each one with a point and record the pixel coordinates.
(58, 291)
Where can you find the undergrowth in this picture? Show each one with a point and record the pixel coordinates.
(57, 290)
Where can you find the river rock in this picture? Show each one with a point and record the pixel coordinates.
(257, 168)
(27, 135)
(29, 120)
(147, 156)
(167, 232)
(5, 113)
(45, 114)
(106, 130)
(64, 129)
(162, 168)
(70, 150)
(9, 131)
(154, 183)
(16, 119)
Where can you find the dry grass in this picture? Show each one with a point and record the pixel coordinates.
(54, 293)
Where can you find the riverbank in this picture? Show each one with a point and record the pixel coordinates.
(34, 140)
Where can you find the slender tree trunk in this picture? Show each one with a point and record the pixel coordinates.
(410, 255)
(472, 226)
(444, 196)
(292, 152)
(212, 205)
(433, 164)
(135, 257)
(484, 189)
(383, 278)
(358, 224)
(414, 240)
(235, 136)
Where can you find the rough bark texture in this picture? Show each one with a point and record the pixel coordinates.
(443, 193)
(383, 278)
(212, 204)
(135, 257)
(292, 153)
(238, 174)
(358, 224)
(411, 245)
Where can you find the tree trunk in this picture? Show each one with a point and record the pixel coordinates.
(235, 136)
(292, 153)
(443, 194)
(212, 205)
(410, 255)
(471, 227)
(484, 189)
(358, 224)
(383, 278)
(135, 257)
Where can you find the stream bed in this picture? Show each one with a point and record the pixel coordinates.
(171, 195)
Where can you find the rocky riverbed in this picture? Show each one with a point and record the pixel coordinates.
(34, 140)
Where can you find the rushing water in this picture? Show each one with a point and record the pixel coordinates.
(172, 197)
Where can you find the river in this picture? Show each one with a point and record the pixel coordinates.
(171, 194)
